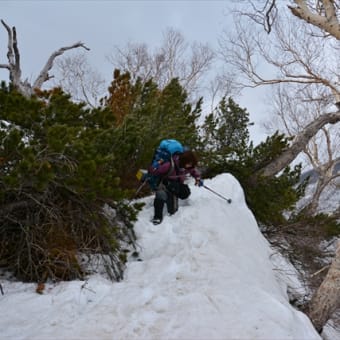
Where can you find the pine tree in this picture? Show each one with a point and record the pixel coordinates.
(225, 135)
(122, 95)
(177, 119)
(225, 138)
(154, 115)
(268, 197)
(57, 173)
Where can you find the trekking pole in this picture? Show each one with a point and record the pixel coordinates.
(139, 189)
(216, 193)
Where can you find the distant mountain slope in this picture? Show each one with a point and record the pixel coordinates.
(314, 176)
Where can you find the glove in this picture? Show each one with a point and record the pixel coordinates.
(199, 182)
(142, 175)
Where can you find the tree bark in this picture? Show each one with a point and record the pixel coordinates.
(298, 144)
(327, 22)
(327, 298)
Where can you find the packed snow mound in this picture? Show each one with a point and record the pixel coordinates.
(204, 273)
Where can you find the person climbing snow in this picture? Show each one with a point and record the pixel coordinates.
(172, 174)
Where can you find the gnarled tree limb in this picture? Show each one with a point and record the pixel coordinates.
(13, 56)
(299, 144)
(326, 21)
(44, 76)
(319, 13)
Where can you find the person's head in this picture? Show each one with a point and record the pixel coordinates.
(187, 160)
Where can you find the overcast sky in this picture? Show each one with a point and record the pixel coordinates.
(45, 26)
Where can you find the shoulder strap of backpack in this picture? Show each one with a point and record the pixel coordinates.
(176, 170)
(172, 167)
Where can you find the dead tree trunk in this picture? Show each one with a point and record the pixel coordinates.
(327, 298)
(298, 144)
(13, 66)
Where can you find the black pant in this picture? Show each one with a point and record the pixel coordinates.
(164, 196)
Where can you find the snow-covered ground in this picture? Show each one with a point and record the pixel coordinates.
(205, 273)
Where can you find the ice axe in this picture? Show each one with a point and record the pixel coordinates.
(216, 193)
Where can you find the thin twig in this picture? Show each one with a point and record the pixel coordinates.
(319, 271)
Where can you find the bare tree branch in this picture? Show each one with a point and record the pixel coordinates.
(264, 16)
(322, 151)
(76, 77)
(12, 54)
(5, 66)
(299, 144)
(44, 76)
(298, 58)
(13, 66)
(319, 13)
(175, 58)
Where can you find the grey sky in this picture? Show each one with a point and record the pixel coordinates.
(45, 26)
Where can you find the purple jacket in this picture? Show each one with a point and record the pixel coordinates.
(164, 168)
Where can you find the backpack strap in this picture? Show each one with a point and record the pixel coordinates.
(172, 167)
(177, 171)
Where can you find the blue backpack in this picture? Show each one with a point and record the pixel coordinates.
(164, 152)
(166, 149)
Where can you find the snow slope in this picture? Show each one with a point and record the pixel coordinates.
(205, 274)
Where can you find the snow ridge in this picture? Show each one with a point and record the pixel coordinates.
(205, 274)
